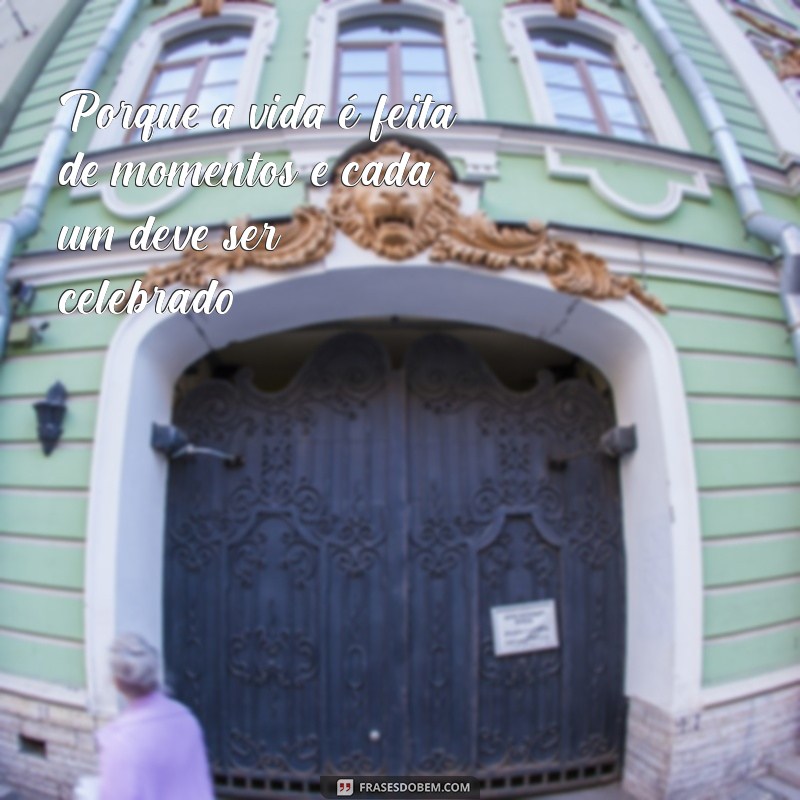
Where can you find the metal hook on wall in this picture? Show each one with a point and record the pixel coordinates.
(614, 443)
(174, 444)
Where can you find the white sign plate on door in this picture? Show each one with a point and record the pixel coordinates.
(524, 627)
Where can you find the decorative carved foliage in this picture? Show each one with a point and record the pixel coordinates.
(399, 223)
(567, 8)
(479, 241)
(210, 8)
(788, 62)
(564, 8)
(306, 239)
(789, 65)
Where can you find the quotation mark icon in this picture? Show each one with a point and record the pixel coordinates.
(344, 787)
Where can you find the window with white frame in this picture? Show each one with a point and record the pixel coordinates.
(590, 75)
(413, 47)
(587, 86)
(392, 55)
(202, 68)
(186, 58)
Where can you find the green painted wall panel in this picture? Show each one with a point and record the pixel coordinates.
(35, 116)
(496, 67)
(735, 514)
(739, 377)
(726, 335)
(74, 332)
(27, 466)
(722, 466)
(54, 662)
(33, 514)
(47, 564)
(728, 95)
(744, 420)
(759, 155)
(750, 655)
(32, 376)
(757, 559)
(65, 62)
(82, 34)
(17, 156)
(18, 420)
(198, 208)
(722, 299)
(715, 68)
(21, 140)
(31, 611)
(526, 192)
(745, 117)
(708, 59)
(731, 612)
(46, 300)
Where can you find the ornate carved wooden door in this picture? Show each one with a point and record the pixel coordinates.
(327, 606)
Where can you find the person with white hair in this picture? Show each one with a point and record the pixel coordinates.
(154, 750)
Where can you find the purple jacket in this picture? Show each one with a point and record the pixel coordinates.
(154, 750)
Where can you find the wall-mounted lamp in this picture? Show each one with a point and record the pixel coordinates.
(50, 414)
(174, 443)
(614, 443)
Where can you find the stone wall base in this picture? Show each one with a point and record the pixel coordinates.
(58, 747)
(705, 756)
(701, 756)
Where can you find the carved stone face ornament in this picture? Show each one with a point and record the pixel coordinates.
(396, 222)
(401, 222)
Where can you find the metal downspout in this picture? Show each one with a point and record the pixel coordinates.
(25, 222)
(780, 233)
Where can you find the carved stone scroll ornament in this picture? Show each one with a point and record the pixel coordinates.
(306, 239)
(568, 9)
(787, 63)
(399, 223)
(210, 8)
(478, 241)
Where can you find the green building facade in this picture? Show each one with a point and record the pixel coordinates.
(581, 118)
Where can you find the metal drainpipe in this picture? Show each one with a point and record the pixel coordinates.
(780, 233)
(25, 222)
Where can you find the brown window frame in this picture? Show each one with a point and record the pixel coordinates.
(590, 90)
(393, 50)
(200, 63)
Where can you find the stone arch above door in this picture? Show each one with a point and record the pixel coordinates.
(660, 510)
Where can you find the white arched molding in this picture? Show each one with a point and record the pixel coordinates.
(459, 37)
(518, 21)
(126, 527)
(260, 20)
